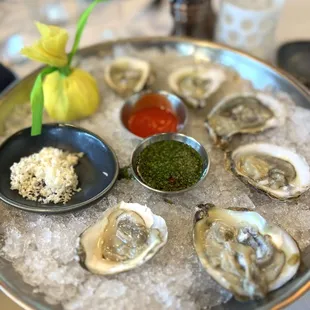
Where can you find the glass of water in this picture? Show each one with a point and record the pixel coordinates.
(249, 25)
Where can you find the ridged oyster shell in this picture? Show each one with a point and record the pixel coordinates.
(278, 171)
(195, 84)
(244, 113)
(127, 236)
(127, 75)
(243, 252)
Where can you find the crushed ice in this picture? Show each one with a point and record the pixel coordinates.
(42, 248)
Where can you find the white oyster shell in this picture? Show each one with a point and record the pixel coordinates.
(196, 84)
(255, 162)
(127, 75)
(107, 247)
(230, 116)
(249, 270)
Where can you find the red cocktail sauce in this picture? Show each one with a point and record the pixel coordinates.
(151, 115)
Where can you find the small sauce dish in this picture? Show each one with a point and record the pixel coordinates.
(188, 141)
(97, 170)
(153, 112)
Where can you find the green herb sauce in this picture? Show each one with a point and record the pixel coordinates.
(169, 166)
(125, 173)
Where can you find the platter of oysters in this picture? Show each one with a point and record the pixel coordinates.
(239, 238)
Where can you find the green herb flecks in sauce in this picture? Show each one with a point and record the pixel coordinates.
(170, 166)
(125, 173)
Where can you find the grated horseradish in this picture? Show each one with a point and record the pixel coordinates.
(47, 176)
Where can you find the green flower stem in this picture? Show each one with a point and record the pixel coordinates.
(80, 27)
(37, 101)
(66, 71)
(37, 95)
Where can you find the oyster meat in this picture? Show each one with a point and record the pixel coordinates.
(196, 84)
(127, 75)
(244, 253)
(244, 113)
(127, 236)
(278, 171)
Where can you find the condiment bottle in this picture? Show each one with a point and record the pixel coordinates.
(193, 18)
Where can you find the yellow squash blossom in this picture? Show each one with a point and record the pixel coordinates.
(51, 48)
(66, 93)
(67, 98)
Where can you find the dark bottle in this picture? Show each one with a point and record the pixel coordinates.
(193, 18)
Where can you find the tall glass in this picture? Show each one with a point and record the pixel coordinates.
(249, 25)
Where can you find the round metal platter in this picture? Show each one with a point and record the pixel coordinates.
(250, 68)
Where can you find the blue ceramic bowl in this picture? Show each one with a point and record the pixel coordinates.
(97, 170)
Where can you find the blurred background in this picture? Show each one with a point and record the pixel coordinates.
(258, 27)
(110, 20)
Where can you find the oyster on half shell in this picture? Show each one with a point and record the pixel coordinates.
(244, 113)
(243, 252)
(127, 236)
(127, 75)
(196, 84)
(278, 171)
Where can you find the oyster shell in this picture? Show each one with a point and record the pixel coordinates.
(277, 171)
(127, 75)
(196, 84)
(127, 236)
(244, 113)
(244, 253)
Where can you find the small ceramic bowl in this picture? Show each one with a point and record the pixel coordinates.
(97, 170)
(294, 58)
(176, 105)
(176, 137)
